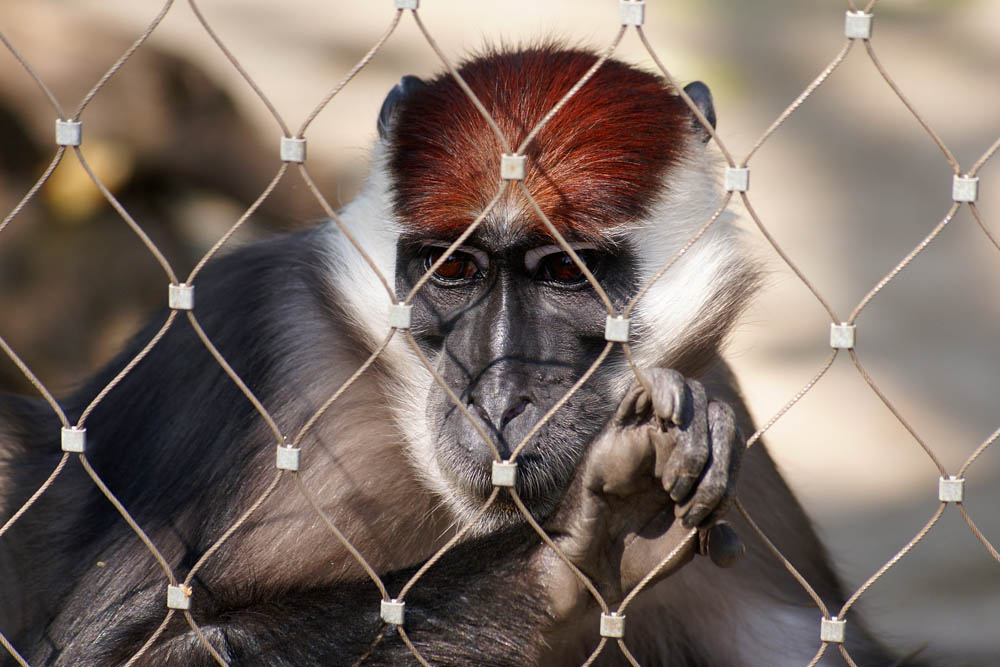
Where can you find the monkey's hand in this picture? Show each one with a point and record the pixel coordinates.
(657, 480)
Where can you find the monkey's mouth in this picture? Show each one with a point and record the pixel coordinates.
(547, 456)
(539, 484)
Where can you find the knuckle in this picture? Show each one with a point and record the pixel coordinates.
(712, 491)
(695, 385)
(721, 413)
(681, 488)
(693, 466)
(725, 431)
(698, 393)
(666, 376)
(699, 514)
(688, 467)
(695, 517)
(667, 393)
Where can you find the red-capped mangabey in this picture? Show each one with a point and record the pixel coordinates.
(510, 323)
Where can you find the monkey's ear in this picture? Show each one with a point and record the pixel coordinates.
(399, 92)
(702, 98)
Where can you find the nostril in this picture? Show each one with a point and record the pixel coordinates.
(480, 412)
(513, 411)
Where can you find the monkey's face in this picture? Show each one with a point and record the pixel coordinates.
(510, 324)
(507, 322)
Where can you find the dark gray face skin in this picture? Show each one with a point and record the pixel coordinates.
(510, 333)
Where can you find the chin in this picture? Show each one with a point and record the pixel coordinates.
(540, 486)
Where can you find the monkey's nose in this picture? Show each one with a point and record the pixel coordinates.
(495, 415)
(513, 411)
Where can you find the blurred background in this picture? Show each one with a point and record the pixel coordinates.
(848, 186)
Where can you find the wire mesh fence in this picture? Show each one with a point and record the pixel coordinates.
(858, 39)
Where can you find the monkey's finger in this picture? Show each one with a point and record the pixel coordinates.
(627, 409)
(621, 471)
(663, 443)
(642, 554)
(716, 486)
(721, 544)
(669, 391)
(642, 402)
(690, 456)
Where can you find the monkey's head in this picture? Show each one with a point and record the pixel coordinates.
(508, 321)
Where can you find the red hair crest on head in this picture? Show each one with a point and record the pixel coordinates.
(596, 164)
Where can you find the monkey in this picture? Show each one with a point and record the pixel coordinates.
(632, 466)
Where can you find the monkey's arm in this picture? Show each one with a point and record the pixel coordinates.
(480, 604)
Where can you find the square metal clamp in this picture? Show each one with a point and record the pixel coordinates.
(832, 630)
(180, 297)
(612, 625)
(293, 149)
(69, 132)
(951, 489)
(400, 315)
(633, 12)
(504, 473)
(288, 458)
(965, 189)
(512, 167)
(74, 439)
(843, 336)
(179, 597)
(616, 329)
(858, 25)
(392, 611)
(737, 179)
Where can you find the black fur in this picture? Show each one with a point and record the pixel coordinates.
(337, 625)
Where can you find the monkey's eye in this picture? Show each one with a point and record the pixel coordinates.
(552, 264)
(460, 266)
